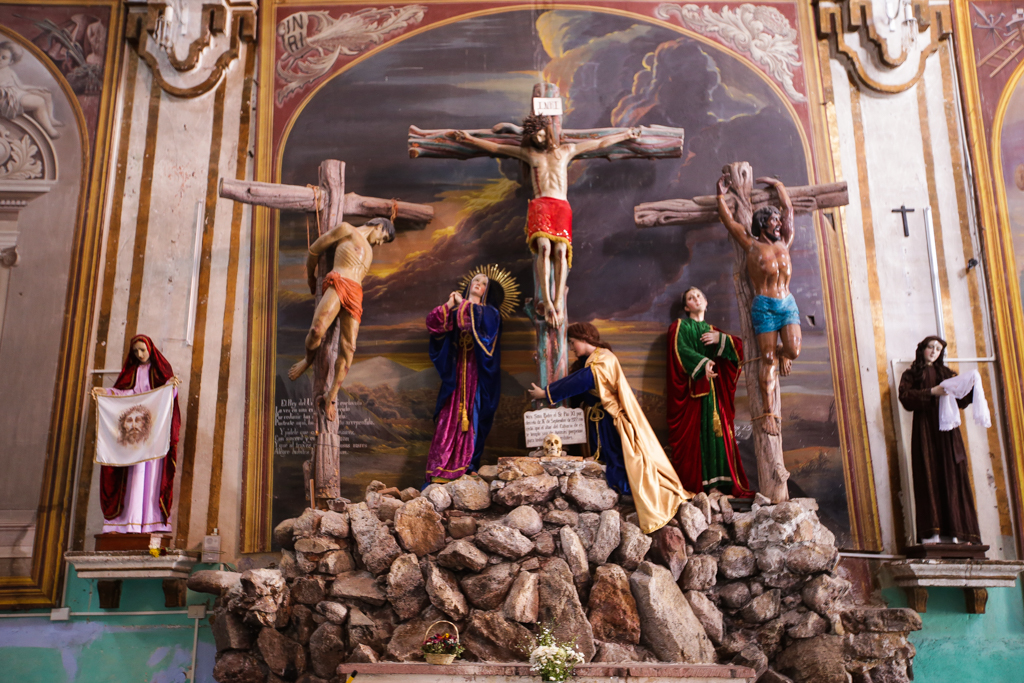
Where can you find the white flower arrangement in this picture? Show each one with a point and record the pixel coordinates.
(554, 661)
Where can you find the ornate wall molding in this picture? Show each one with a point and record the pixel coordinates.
(207, 34)
(885, 43)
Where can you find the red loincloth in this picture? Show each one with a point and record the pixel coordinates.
(350, 293)
(551, 218)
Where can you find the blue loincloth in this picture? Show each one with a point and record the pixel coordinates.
(769, 315)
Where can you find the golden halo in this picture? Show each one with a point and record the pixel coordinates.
(504, 279)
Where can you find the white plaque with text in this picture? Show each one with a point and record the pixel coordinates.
(547, 106)
(568, 423)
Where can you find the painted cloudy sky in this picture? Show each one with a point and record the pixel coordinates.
(612, 70)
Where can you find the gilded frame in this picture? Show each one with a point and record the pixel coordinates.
(41, 588)
(997, 243)
(822, 154)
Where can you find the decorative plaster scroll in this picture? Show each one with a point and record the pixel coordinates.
(159, 32)
(313, 41)
(762, 32)
(853, 27)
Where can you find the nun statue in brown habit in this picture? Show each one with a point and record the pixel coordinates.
(944, 502)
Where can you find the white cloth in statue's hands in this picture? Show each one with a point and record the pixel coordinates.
(958, 387)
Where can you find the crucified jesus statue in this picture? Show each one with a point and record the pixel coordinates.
(774, 314)
(549, 217)
(342, 298)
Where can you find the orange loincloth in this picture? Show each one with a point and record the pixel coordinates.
(551, 218)
(350, 293)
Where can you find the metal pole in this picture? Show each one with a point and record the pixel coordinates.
(933, 261)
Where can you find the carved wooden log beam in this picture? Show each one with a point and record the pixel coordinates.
(655, 142)
(298, 198)
(704, 209)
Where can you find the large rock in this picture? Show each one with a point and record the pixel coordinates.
(303, 623)
(823, 591)
(560, 605)
(335, 524)
(230, 632)
(357, 586)
(692, 521)
(810, 558)
(262, 593)
(488, 589)
(699, 573)
(752, 657)
(575, 556)
(668, 547)
(592, 495)
(667, 622)
(490, 637)
(612, 609)
(363, 629)
(327, 649)
(407, 592)
(419, 528)
(437, 495)
(307, 524)
(362, 654)
(469, 493)
(336, 562)
(526, 520)
(523, 599)
(308, 590)
(562, 517)
(607, 537)
(708, 615)
(528, 491)
(335, 612)
(633, 546)
(462, 554)
(868, 620)
(807, 625)
(376, 545)
(814, 660)
(504, 540)
(586, 529)
(736, 562)
(388, 507)
(460, 527)
(316, 545)
(407, 638)
(763, 608)
(444, 593)
(238, 667)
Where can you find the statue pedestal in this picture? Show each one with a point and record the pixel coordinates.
(129, 541)
(947, 551)
(973, 576)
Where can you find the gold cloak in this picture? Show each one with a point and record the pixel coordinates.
(657, 491)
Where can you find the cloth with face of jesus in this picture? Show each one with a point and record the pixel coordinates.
(134, 428)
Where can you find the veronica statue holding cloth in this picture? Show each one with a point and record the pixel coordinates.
(620, 434)
(464, 346)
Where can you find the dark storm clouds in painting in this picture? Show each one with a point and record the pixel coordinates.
(613, 71)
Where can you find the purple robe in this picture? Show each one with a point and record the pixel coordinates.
(464, 348)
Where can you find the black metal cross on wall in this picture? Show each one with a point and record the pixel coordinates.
(903, 211)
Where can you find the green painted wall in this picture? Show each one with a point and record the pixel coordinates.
(107, 649)
(956, 647)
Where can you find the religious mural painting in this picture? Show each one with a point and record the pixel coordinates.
(351, 79)
(54, 65)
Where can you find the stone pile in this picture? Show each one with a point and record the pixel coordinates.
(529, 543)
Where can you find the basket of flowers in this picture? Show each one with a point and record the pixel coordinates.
(442, 647)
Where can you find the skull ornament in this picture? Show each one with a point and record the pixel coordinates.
(552, 445)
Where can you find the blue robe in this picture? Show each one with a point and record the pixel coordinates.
(605, 441)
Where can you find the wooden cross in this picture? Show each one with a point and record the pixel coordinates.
(744, 201)
(903, 211)
(331, 204)
(655, 142)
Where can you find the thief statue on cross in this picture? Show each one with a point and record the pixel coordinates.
(549, 217)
